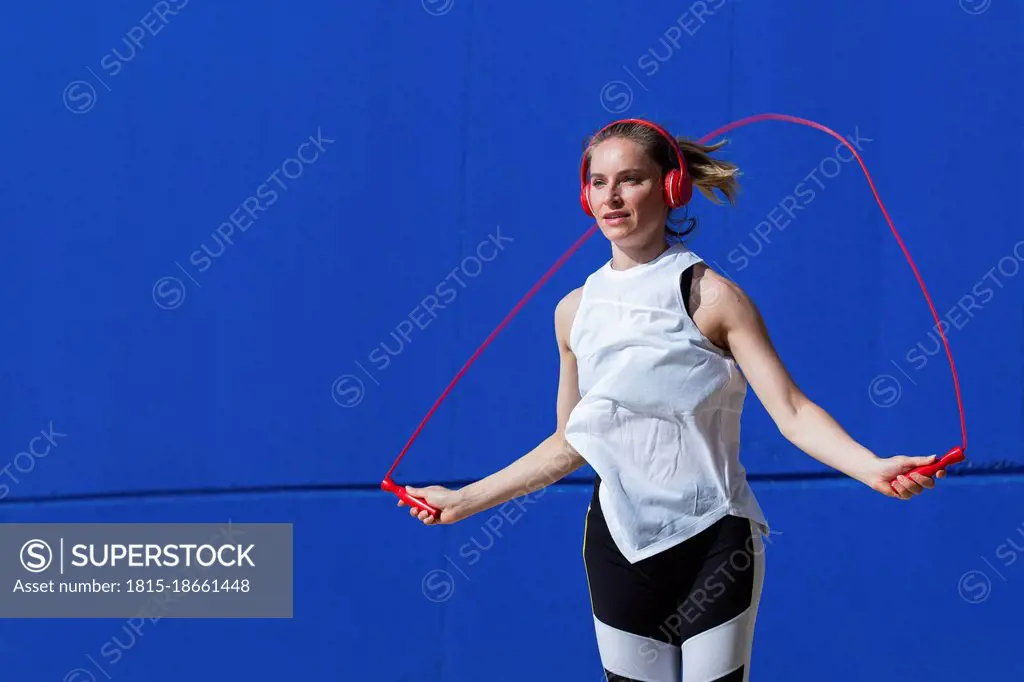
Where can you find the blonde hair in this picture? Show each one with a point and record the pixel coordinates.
(708, 173)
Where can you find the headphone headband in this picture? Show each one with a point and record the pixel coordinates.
(653, 126)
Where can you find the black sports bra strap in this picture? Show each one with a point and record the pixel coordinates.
(685, 283)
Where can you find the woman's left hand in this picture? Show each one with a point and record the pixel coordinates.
(884, 471)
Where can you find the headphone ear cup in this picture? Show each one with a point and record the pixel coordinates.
(672, 189)
(685, 189)
(678, 188)
(585, 202)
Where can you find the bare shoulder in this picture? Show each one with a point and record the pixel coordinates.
(712, 288)
(719, 305)
(565, 313)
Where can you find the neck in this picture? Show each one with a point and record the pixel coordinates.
(626, 257)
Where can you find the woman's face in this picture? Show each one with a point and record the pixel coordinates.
(626, 192)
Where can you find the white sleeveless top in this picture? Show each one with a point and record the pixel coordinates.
(659, 418)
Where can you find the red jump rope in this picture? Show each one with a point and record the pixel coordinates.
(677, 191)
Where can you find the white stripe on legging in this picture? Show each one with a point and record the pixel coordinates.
(636, 657)
(715, 653)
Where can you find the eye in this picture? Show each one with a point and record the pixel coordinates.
(632, 178)
(597, 183)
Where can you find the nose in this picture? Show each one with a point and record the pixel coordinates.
(614, 196)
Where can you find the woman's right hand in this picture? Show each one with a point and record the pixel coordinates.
(438, 497)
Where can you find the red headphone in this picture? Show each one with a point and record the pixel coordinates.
(678, 184)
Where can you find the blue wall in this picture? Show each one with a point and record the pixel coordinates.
(278, 380)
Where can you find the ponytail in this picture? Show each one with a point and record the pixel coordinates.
(708, 173)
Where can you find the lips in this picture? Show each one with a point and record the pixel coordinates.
(616, 214)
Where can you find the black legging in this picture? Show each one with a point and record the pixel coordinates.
(689, 608)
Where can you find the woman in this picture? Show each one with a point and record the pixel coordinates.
(650, 394)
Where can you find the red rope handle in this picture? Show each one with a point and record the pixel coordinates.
(953, 456)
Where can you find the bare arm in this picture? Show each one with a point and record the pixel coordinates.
(737, 324)
(553, 458)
